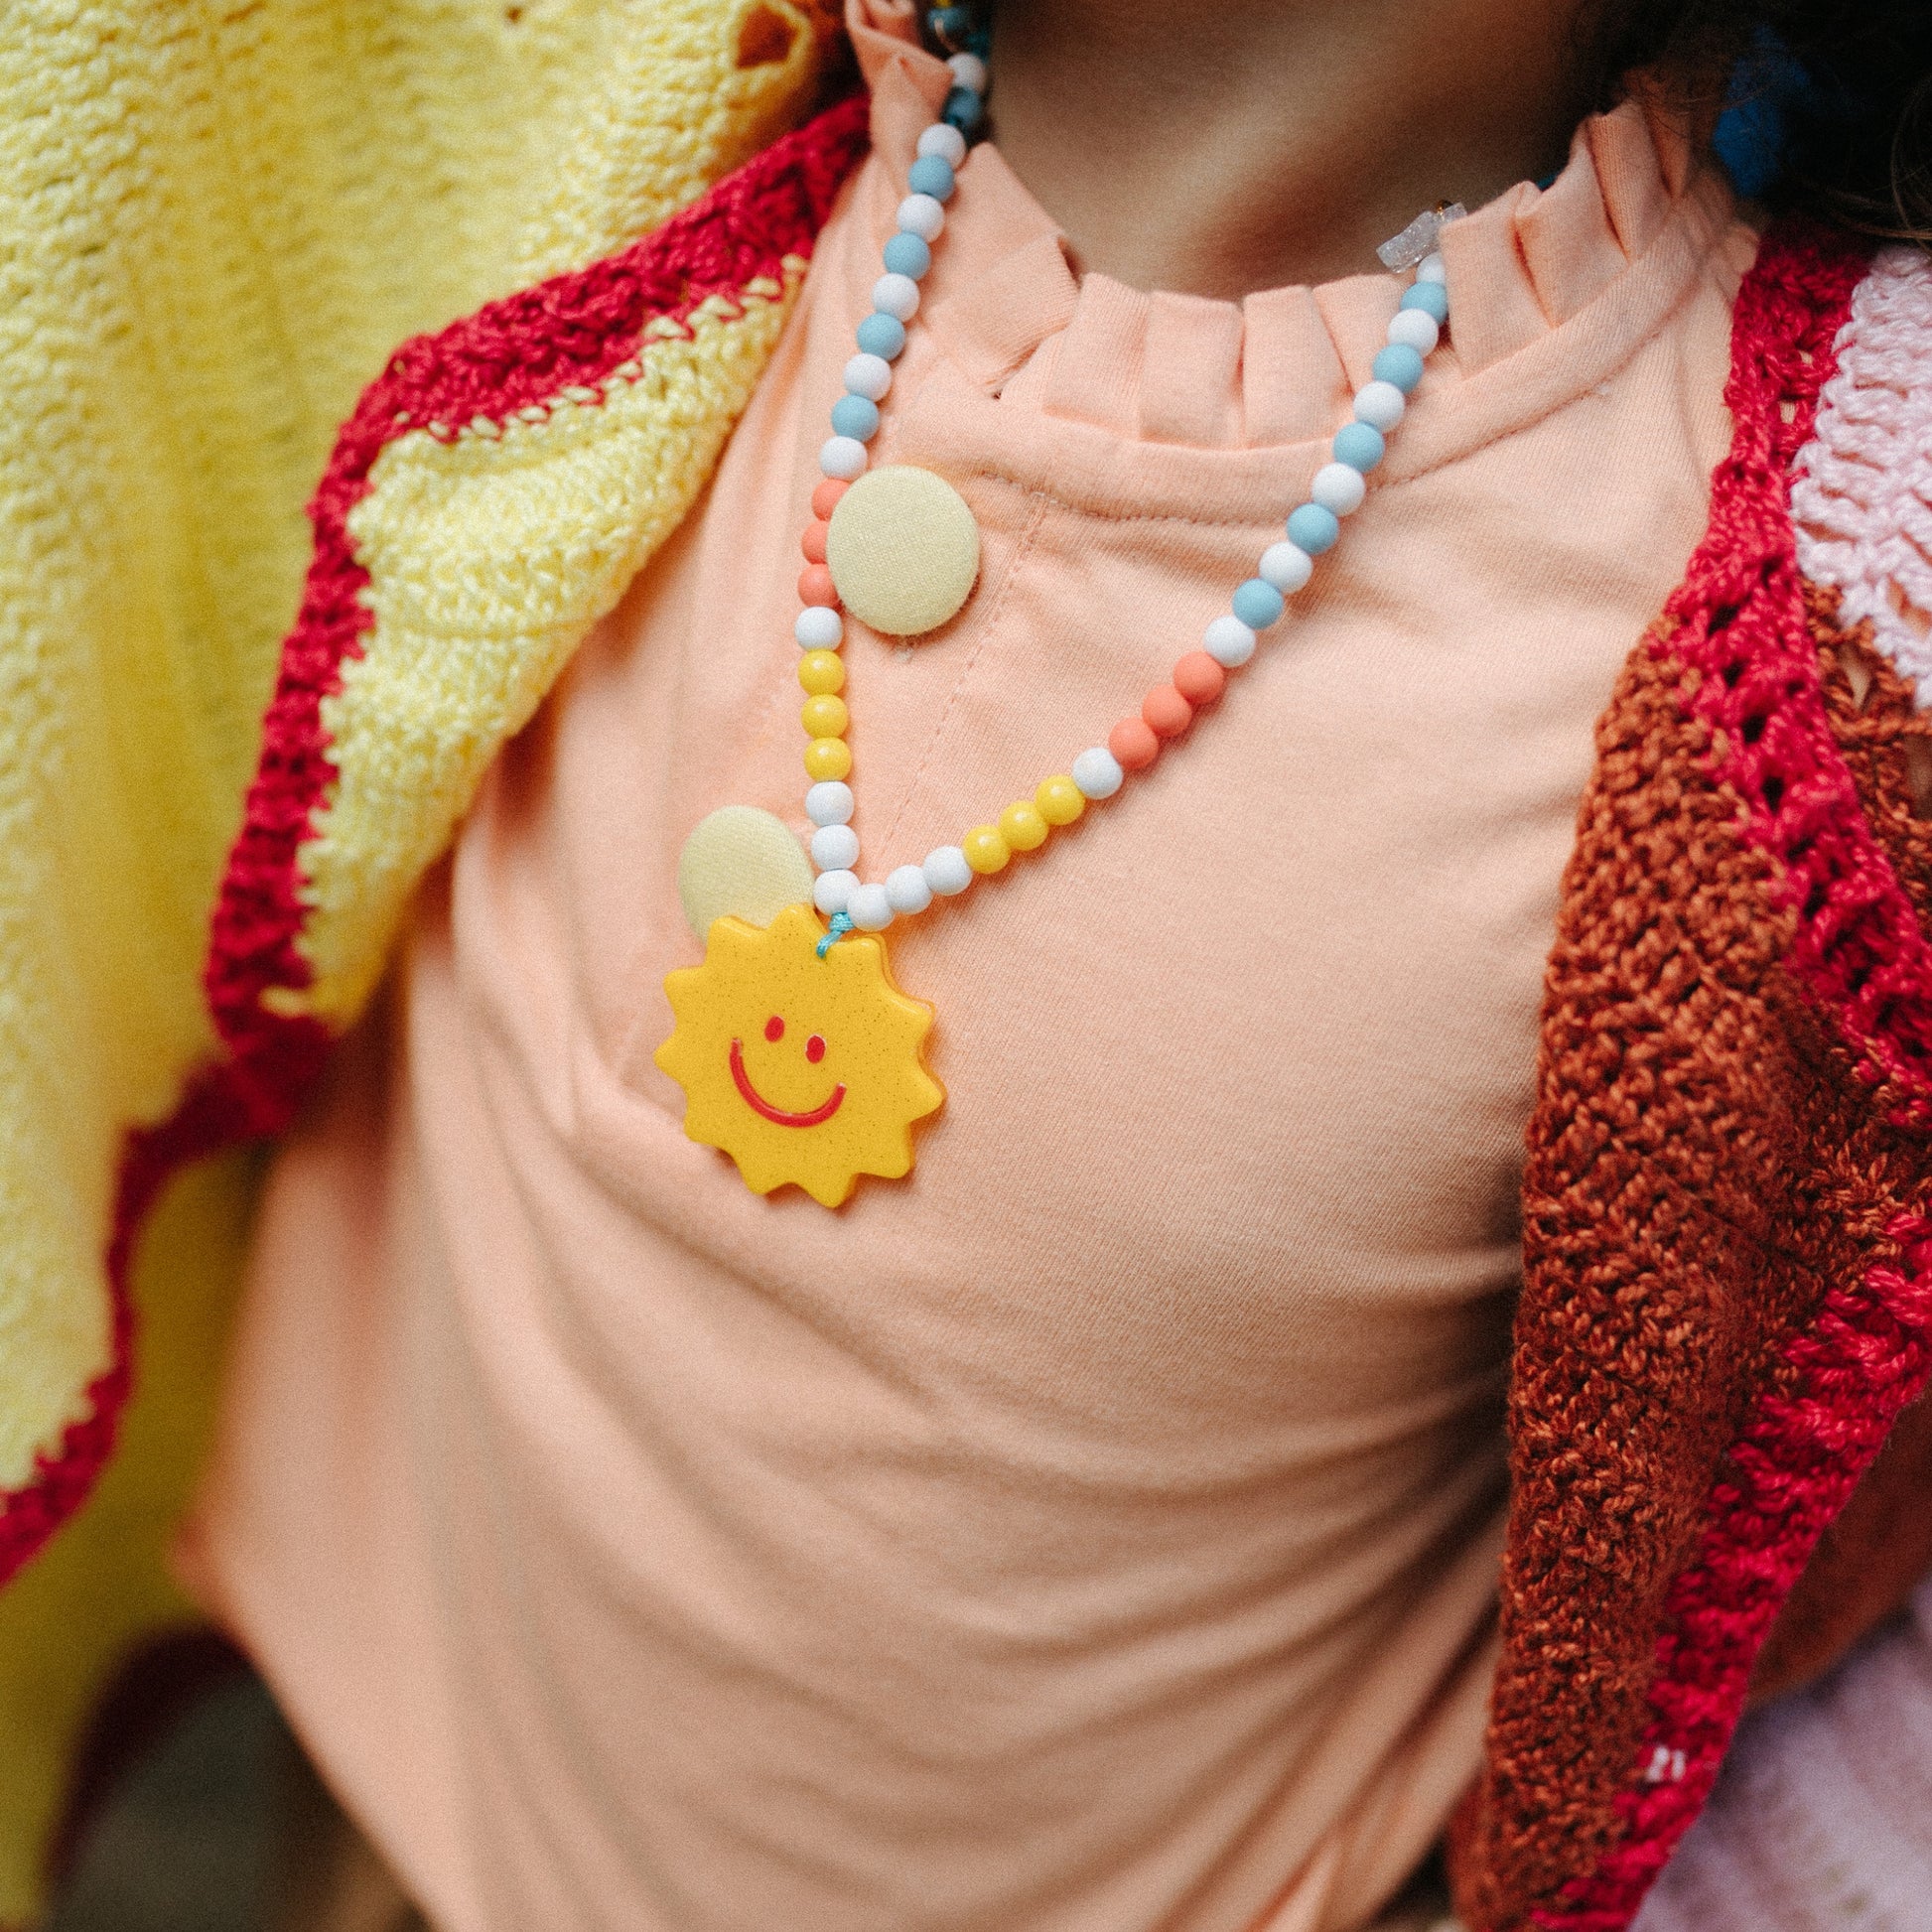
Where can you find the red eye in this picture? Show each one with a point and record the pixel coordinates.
(774, 1027)
(815, 1050)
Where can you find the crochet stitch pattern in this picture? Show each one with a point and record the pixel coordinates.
(1718, 1327)
(530, 349)
(1863, 497)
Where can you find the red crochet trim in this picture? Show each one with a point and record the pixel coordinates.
(527, 349)
(567, 332)
(210, 1116)
(1858, 951)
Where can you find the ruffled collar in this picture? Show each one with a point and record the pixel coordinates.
(1278, 367)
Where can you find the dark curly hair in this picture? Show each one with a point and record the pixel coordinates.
(1848, 82)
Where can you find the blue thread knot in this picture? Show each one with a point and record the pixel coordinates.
(841, 925)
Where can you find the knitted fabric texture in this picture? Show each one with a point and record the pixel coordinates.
(1724, 1250)
(220, 221)
(1723, 1307)
(1863, 497)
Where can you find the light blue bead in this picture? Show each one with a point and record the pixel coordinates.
(1313, 528)
(854, 416)
(1257, 604)
(962, 110)
(907, 254)
(1360, 446)
(882, 334)
(1431, 298)
(931, 175)
(1400, 365)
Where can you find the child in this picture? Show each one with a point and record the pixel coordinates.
(1093, 1522)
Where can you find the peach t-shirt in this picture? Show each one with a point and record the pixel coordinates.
(1096, 1531)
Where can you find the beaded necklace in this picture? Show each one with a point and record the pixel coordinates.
(798, 1056)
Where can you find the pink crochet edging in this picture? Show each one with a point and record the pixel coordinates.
(1858, 953)
(1861, 495)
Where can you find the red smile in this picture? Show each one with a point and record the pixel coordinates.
(777, 1115)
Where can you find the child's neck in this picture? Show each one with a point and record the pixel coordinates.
(1223, 146)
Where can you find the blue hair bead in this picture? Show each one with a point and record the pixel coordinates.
(907, 254)
(963, 110)
(1257, 604)
(1360, 446)
(1431, 298)
(854, 416)
(882, 334)
(931, 174)
(1400, 365)
(951, 23)
(1314, 528)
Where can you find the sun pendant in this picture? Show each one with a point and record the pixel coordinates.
(804, 1069)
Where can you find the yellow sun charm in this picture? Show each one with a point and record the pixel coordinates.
(802, 1069)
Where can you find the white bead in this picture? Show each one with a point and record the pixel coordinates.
(843, 456)
(818, 627)
(906, 890)
(1287, 566)
(829, 802)
(835, 848)
(897, 296)
(1228, 641)
(921, 214)
(868, 909)
(832, 891)
(1097, 773)
(1380, 405)
(1430, 269)
(1338, 488)
(1414, 329)
(945, 141)
(946, 871)
(868, 376)
(969, 71)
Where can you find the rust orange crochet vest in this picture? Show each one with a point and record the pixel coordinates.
(1719, 1479)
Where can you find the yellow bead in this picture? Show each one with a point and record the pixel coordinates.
(1021, 826)
(985, 849)
(825, 717)
(1061, 800)
(821, 673)
(828, 757)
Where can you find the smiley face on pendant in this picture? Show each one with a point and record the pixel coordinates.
(774, 1031)
(804, 1070)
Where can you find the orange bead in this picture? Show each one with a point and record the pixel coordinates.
(1167, 712)
(1198, 678)
(812, 543)
(1133, 744)
(815, 585)
(825, 498)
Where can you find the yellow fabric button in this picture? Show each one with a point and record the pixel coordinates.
(1061, 800)
(821, 673)
(904, 550)
(825, 717)
(827, 758)
(742, 863)
(985, 849)
(1021, 826)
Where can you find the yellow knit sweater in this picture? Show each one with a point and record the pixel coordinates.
(219, 219)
